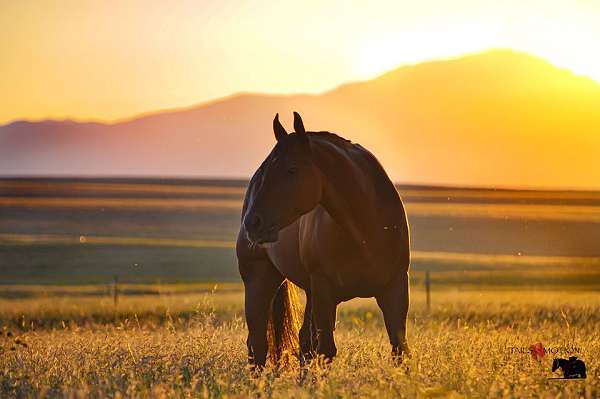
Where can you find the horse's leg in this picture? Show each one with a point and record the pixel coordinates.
(393, 302)
(308, 333)
(323, 310)
(261, 280)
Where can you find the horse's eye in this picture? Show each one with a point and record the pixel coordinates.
(292, 170)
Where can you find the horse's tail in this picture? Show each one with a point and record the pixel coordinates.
(284, 324)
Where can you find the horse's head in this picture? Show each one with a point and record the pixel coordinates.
(556, 364)
(287, 185)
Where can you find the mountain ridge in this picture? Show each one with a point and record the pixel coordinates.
(439, 122)
(495, 51)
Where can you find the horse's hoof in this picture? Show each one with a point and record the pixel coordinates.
(400, 356)
(255, 370)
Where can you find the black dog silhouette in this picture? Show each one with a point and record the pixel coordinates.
(572, 368)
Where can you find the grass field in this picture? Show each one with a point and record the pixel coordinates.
(508, 269)
(188, 341)
(82, 231)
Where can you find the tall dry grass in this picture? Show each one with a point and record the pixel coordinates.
(193, 345)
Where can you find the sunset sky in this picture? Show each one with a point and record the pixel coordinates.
(107, 60)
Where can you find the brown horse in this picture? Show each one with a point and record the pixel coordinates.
(319, 212)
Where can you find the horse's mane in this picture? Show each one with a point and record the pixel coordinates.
(331, 137)
(364, 159)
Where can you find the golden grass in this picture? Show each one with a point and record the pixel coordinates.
(192, 345)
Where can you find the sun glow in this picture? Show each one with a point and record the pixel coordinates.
(92, 61)
(568, 42)
(392, 49)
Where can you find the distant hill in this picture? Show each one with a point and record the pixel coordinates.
(498, 118)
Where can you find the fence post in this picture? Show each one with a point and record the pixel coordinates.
(428, 289)
(116, 290)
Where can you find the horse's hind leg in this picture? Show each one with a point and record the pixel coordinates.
(261, 280)
(393, 302)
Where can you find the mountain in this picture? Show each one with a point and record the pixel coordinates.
(498, 118)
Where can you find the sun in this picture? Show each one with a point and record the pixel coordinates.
(566, 49)
(377, 55)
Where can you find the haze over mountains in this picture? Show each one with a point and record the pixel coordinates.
(499, 118)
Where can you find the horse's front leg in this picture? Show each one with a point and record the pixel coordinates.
(308, 333)
(261, 280)
(323, 310)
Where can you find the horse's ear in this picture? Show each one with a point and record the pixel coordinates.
(298, 125)
(278, 129)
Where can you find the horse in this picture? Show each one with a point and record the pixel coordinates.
(320, 213)
(572, 368)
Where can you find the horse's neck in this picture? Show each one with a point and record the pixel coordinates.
(352, 196)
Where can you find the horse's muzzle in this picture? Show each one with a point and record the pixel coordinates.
(263, 238)
(258, 231)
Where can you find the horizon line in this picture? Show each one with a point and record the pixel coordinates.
(438, 185)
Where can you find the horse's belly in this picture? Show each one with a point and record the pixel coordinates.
(327, 248)
(316, 243)
(355, 280)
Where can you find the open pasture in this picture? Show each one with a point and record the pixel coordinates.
(508, 269)
(63, 231)
(188, 341)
